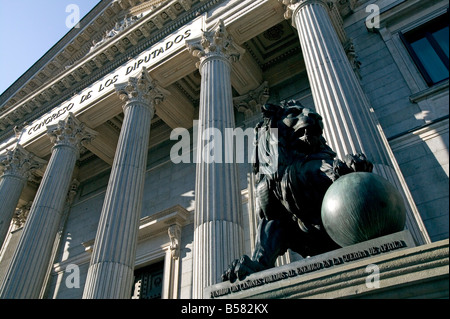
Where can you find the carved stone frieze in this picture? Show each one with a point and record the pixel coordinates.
(120, 26)
(77, 51)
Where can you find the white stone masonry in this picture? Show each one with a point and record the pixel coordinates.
(111, 270)
(338, 96)
(218, 236)
(27, 271)
(17, 166)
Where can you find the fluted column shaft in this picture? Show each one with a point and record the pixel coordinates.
(218, 238)
(11, 187)
(111, 270)
(337, 94)
(28, 267)
(17, 166)
(339, 98)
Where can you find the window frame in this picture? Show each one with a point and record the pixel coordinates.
(424, 31)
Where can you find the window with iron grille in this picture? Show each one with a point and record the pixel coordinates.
(148, 282)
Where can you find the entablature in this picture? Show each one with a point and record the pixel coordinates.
(91, 54)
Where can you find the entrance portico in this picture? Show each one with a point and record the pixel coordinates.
(166, 86)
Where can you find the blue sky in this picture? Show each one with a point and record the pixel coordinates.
(29, 28)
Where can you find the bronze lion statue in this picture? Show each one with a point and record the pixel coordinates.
(293, 170)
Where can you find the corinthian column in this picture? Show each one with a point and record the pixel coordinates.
(17, 166)
(218, 221)
(111, 269)
(26, 273)
(338, 97)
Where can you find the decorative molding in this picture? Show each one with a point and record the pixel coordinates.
(429, 92)
(119, 27)
(294, 5)
(174, 232)
(420, 135)
(157, 223)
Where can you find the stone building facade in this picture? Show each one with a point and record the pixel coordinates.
(99, 200)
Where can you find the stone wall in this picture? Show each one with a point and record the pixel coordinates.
(417, 129)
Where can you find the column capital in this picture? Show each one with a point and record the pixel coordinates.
(141, 89)
(70, 132)
(250, 103)
(294, 5)
(216, 43)
(20, 163)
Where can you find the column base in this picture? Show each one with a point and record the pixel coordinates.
(112, 281)
(217, 244)
(385, 267)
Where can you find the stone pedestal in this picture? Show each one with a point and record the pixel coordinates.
(218, 238)
(349, 126)
(111, 270)
(29, 265)
(385, 267)
(17, 166)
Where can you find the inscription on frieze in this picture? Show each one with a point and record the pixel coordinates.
(155, 54)
(329, 260)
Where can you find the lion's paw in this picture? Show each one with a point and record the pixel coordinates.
(352, 163)
(241, 268)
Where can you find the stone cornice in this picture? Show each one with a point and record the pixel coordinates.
(45, 99)
(73, 46)
(78, 70)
